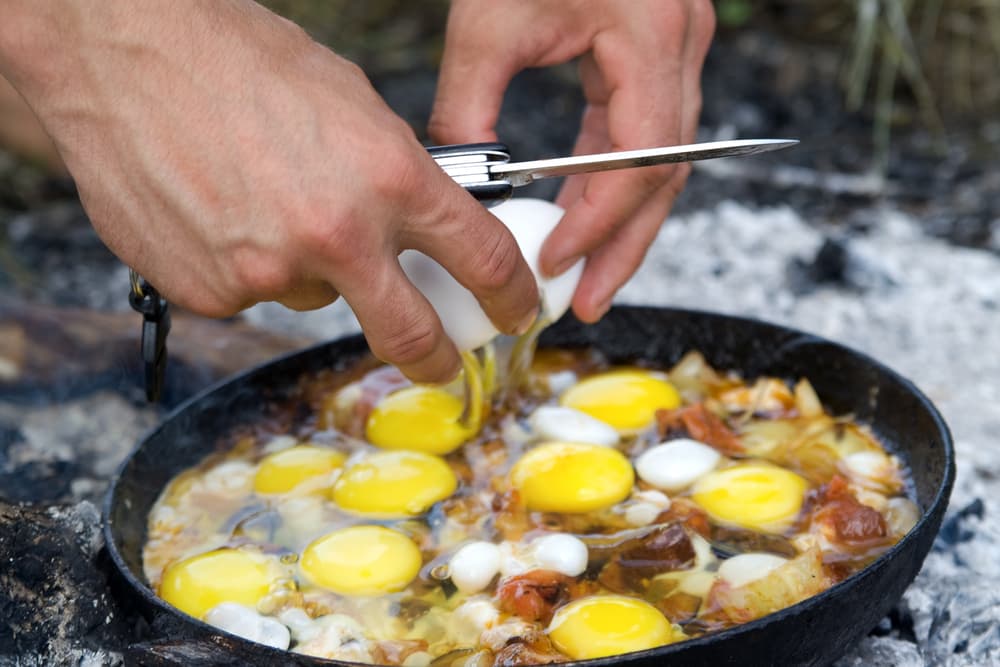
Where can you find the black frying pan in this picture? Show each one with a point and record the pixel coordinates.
(813, 632)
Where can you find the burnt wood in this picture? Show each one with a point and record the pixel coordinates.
(812, 633)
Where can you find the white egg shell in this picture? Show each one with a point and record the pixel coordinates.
(744, 568)
(562, 553)
(473, 567)
(247, 623)
(530, 221)
(675, 465)
(551, 422)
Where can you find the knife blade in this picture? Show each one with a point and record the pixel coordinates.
(485, 170)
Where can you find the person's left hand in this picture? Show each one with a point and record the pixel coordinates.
(640, 69)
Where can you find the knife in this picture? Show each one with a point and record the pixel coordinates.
(485, 169)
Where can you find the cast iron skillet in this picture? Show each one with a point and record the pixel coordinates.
(813, 632)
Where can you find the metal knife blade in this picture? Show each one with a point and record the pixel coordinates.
(522, 173)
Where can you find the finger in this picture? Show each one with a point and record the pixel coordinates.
(310, 296)
(639, 114)
(471, 82)
(401, 326)
(611, 266)
(480, 253)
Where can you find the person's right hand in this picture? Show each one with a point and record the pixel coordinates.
(230, 159)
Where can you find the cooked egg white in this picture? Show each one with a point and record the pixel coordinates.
(572, 477)
(362, 560)
(561, 553)
(474, 566)
(394, 484)
(603, 625)
(627, 400)
(757, 495)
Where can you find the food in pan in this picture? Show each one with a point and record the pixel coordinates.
(600, 509)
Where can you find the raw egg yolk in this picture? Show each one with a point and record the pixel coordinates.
(419, 418)
(362, 560)
(283, 471)
(627, 400)
(197, 584)
(394, 484)
(604, 625)
(759, 496)
(572, 477)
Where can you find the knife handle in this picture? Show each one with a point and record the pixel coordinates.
(469, 166)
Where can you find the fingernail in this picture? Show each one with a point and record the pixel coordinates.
(564, 266)
(526, 323)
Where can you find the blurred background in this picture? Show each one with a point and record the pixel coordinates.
(881, 230)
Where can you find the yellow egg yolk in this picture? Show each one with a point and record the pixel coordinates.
(394, 484)
(627, 400)
(604, 625)
(759, 496)
(283, 471)
(362, 560)
(572, 477)
(418, 418)
(197, 584)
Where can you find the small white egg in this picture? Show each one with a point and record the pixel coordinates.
(530, 221)
(247, 623)
(551, 422)
(744, 568)
(473, 567)
(676, 464)
(562, 553)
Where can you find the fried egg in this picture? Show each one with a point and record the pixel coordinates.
(284, 470)
(744, 568)
(473, 567)
(362, 560)
(603, 625)
(394, 484)
(199, 583)
(572, 477)
(757, 495)
(561, 552)
(419, 418)
(625, 399)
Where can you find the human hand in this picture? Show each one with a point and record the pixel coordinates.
(640, 69)
(230, 159)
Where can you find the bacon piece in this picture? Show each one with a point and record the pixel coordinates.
(697, 422)
(845, 521)
(533, 596)
(687, 513)
(665, 549)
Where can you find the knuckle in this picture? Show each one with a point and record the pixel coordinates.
(496, 262)
(261, 274)
(407, 345)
